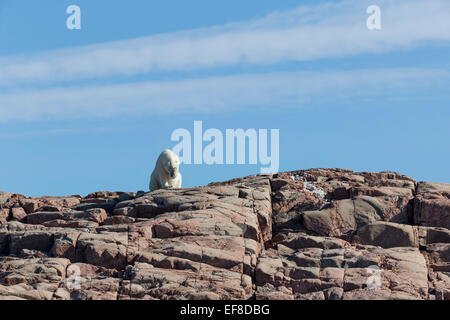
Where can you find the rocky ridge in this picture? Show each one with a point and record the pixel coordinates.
(322, 234)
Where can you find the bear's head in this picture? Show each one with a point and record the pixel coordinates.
(171, 163)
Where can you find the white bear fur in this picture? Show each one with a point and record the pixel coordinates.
(166, 174)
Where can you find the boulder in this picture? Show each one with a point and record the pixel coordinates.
(105, 250)
(432, 205)
(41, 217)
(32, 240)
(18, 214)
(388, 235)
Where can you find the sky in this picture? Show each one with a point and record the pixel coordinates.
(91, 109)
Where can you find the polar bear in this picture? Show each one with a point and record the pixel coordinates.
(166, 174)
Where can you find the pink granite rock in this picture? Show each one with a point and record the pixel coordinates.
(319, 234)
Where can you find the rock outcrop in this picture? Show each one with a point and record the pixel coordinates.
(322, 234)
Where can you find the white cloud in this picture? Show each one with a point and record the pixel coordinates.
(306, 33)
(218, 94)
(56, 131)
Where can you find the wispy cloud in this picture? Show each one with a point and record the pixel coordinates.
(56, 131)
(217, 94)
(306, 33)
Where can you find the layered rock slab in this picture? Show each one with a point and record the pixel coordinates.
(308, 267)
(336, 202)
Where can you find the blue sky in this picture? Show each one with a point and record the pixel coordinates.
(91, 109)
